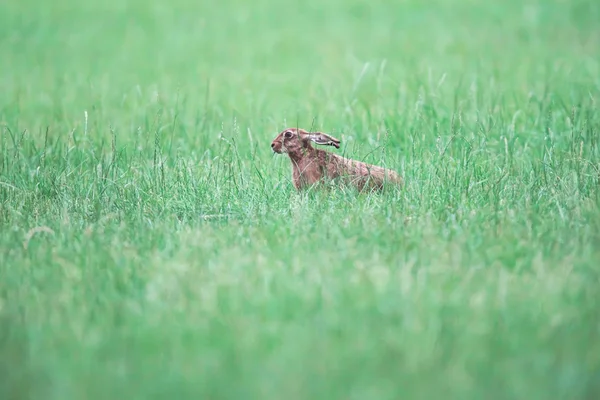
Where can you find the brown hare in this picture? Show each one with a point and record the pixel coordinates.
(311, 165)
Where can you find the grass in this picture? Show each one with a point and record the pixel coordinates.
(153, 247)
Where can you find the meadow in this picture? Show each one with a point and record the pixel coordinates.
(152, 246)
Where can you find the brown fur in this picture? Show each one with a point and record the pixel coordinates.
(311, 165)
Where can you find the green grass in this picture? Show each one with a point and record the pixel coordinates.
(152, 247)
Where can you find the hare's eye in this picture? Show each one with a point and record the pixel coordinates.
(288, 134)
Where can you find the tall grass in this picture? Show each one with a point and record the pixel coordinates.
(152, 246)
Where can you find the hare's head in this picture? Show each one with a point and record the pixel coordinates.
(293, 140)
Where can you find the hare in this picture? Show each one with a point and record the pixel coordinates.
(311, 165)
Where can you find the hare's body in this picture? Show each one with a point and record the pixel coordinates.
(311, 165)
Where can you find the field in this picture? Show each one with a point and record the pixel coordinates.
(152, 246)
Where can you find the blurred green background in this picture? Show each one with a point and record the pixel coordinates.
(152, 246)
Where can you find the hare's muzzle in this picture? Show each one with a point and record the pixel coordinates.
(276, 146)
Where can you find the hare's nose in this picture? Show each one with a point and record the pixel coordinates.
(272, 145)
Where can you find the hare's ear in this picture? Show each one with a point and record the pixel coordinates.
(324, 139)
